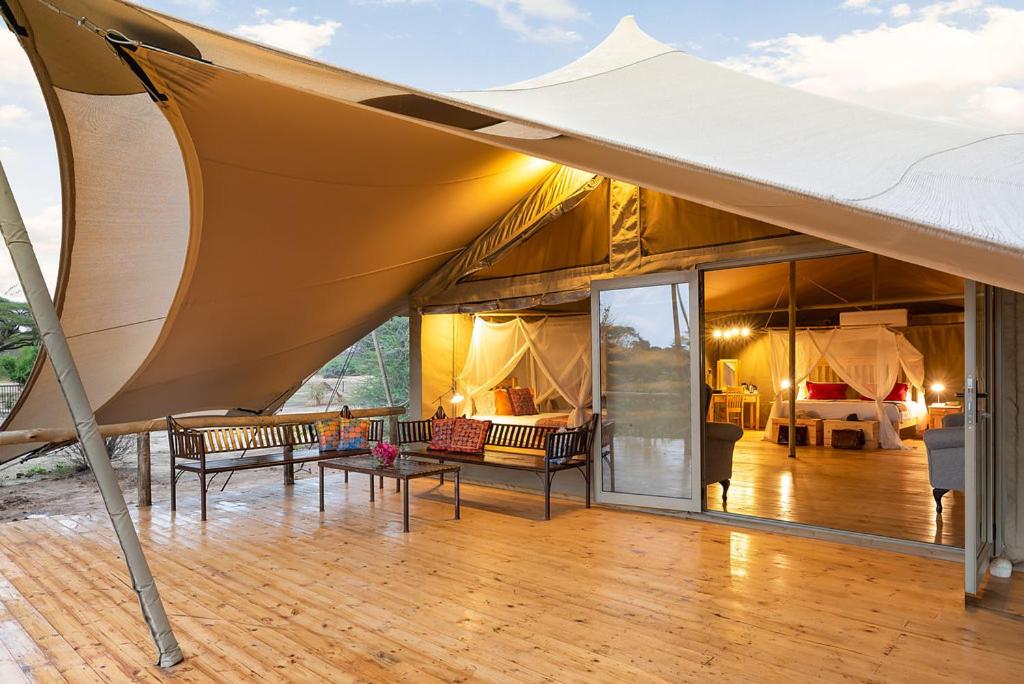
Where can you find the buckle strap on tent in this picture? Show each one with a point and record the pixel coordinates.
(12, 22)
(124, 47)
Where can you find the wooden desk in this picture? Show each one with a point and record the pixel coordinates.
(936, 412)
(751, 402)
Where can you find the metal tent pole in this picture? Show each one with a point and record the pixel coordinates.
(41, 305)
(792, 359)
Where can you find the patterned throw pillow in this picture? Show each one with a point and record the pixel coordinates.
(441, 430)
(502, 405)
(522, 401)
(469, 435)
(329, 433)
(353, 434)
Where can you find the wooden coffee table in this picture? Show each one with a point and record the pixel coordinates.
(402, 471)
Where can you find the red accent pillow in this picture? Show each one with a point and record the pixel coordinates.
(898, 392)
(469, 435)
(522, 401)
(441, 431)
(828, 391)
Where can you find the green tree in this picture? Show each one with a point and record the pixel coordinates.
(361, 360)
(17, 328)
(18, 365)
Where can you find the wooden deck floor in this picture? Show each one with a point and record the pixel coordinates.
(877, 492)
(271, 589)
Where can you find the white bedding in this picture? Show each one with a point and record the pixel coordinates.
(900, 413)
(524, 420)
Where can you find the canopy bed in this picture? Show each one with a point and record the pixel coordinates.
(544, 362)
(866, 364)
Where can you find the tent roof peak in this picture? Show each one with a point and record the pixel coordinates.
(627, 44)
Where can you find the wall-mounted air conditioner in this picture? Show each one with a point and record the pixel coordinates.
(895, 318)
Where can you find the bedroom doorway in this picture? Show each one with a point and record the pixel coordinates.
(646, 388)
(880, 359)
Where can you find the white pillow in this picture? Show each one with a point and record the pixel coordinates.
(484, 404)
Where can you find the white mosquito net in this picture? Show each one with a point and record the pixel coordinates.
(868, 359)
(556, 350)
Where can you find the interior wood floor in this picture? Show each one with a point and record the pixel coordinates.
(878, 492)
(272, 589)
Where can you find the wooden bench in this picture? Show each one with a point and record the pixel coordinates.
(531, 448)
(190, 449)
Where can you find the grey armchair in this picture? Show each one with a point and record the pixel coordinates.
(945, 448)
(719, 441)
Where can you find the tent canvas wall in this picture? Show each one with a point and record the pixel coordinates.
(186, 281)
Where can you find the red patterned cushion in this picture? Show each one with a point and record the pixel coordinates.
(898, 392)
(469, 435)
(828, 391)
(441, 430)
(522, 401)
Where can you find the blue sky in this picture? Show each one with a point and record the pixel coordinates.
(957, 60)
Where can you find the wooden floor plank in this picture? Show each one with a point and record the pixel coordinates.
(271, 589)
(881, 492)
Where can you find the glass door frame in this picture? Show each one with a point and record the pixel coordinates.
(979, 462)
(695, 501)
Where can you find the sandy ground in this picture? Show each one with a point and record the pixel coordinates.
(48, 486)
(58, 494)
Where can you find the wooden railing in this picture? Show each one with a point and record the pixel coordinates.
(9, 393)
(58, 435)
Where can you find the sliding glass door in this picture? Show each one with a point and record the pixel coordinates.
(978, 451)
(647, 390)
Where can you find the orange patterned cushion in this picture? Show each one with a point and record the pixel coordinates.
(522, 401)
(329, 432)
(469, 435)
(441, 430)
(502, 405)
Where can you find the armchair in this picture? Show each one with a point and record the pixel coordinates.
(945, 448)
(719, 442)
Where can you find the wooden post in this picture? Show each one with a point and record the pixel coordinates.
(289, 468)
(792, 359)
(145, 483)
(393, 429)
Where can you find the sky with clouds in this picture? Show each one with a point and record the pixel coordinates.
(954, 60)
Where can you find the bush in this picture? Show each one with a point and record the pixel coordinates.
(18, 365)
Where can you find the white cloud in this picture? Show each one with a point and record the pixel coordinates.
(900, 10)
(542, 21)
(862, 6)
(15, 68)
(301, 37)
(960, 60)
(12, 114)
(46, 233)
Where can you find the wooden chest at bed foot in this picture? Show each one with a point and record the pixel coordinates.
(869, 427)
(815, 429)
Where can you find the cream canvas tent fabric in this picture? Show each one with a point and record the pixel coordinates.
(235, 215)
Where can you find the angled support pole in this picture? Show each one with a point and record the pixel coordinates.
(41, 305)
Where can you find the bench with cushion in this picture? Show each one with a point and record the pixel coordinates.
(191, 448)
(530, 448)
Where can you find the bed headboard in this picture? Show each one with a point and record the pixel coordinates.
(824, 373)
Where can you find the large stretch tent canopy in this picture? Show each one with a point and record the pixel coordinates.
(235, 215)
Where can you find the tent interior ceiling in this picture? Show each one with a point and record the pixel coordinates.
(830, 281)
(317, 199)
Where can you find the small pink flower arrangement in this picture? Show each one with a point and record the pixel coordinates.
(385, 454)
